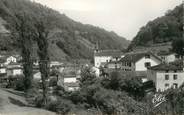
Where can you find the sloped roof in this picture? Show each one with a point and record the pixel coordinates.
(134, 57)
(164, 53)
(113, 53)
(167, 67)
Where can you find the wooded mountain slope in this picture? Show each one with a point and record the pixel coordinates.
(161, 30)
(68, 39)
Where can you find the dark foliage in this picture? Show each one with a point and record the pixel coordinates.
(178, 46)
(130, 84)
(161, 30)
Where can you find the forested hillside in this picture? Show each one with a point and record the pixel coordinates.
(161, 30)
(68, 39)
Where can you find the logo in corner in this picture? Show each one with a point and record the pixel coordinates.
(158, 99)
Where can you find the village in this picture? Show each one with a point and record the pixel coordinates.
(91, 57)
(165, 70)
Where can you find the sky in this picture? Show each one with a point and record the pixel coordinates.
(125, 17)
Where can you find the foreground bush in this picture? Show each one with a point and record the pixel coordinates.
(61, 106)
(19, 84)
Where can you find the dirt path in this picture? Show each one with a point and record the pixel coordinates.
(7, 106)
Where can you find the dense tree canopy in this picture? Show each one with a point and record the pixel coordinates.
(161, 30)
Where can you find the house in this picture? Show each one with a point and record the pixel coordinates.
(69, 82)
(14, 69)
(2, 70)
(168, 57)
(69, 78)
(104, 56)
(138, 61)
(166, 76)
(71, 86)
(13, 59)
(55, 63)
(112, 65)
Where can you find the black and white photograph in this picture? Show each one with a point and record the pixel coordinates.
(91, 57)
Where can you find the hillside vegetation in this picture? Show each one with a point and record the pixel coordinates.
(161, 30)
(67, 39)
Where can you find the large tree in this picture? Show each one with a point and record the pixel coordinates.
(23, 26)
(41, 38)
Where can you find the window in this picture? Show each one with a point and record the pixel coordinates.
(175, 77)
(166, 77)
(166, 85)
(175, 85)
(147, 64)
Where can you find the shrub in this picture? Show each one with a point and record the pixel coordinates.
(53, 82)
(19, 84)
(61, 106)
(39, 101)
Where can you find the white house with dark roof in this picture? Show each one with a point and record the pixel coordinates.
(104, 56)
(166, 76)
(138, 61)
(168, 57)
(69, 78)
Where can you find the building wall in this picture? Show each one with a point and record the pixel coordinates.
(140, 65)
(17, 72)
(72, 88)
(70, 80)
(2, 70)
(101, 59)
(127, 66)
(14, 72)
(151, 75)
(113, 66)
(161, 81)
(158, 77)
(171, 58)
